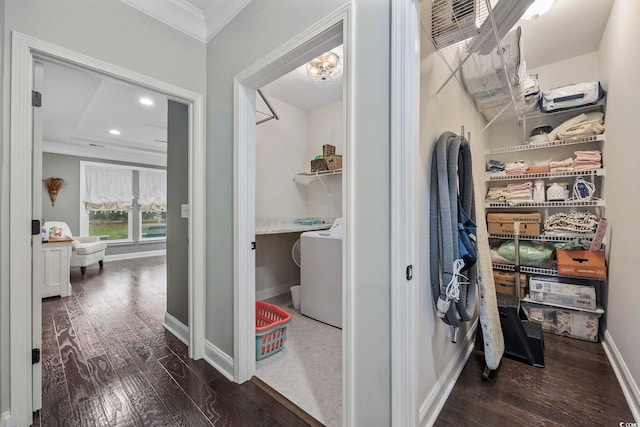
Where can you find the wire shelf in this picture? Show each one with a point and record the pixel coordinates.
(545, 238)
(527, 176)
(565, 204)
(553, 144)
(540, 270)
(320, 173)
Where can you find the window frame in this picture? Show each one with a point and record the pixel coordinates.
(134, 211)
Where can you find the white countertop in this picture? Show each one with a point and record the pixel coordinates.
(287, 225)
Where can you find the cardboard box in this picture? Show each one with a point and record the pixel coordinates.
(551, 290)
(505, 282)
(526, 229)
(521, 217)
(563, 321)
(581, 263)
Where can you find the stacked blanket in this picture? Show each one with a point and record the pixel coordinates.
(587, 160)
(519, 193)
(496, 194)
(579, 126)
(519, 167)
(565, 165)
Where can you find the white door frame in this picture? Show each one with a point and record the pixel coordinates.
(405, 111)
(316, 40)
(24, 49)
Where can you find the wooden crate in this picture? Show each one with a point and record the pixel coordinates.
(328, 150)
(334, 162)
(318, 165)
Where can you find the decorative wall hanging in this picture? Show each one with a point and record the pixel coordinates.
(53, 187)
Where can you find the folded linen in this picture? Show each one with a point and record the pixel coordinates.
(579, 126)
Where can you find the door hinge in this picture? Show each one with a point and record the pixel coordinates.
(253, 246)
(36, 99)
(409, 272)
(35, 227)
(35, 356)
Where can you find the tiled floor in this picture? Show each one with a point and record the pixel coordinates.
(107, 360)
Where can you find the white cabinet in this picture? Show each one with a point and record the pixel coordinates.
(55, 263)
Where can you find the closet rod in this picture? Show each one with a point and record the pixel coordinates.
(274, 115)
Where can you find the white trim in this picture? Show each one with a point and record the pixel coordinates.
(274, 291)
(5, 421)
(24, 49)
(317, 39)
(218, 14)
(135, 255)
(405, 107)
(219, 359)
(176, 327)
(625, 378)
(432, 405)
(178, 14)
(104, 153)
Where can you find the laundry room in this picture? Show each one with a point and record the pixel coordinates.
(298, 245)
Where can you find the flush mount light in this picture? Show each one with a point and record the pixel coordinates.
(146, 101)
(324, 68)
(114, 132)
(537, 9)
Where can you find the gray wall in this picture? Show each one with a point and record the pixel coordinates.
(177, 228)
(67, 207)
(4, 228)
(620, 157)
(259, 29)
(110, 31)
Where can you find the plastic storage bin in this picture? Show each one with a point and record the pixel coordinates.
(562, 321)
(271, 329)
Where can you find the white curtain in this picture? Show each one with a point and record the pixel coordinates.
(108, 189)
(153, 191)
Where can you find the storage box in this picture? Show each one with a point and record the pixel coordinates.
(526, 229)
(521, 217)
(563, 321)
(318, 165)
(333, 162)
(328, 150)
(581, 263)
(551, 290)
(539, 169)
(505, 282)
(271, 329)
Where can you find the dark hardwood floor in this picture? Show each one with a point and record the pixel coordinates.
(577, 387)
(107, 360)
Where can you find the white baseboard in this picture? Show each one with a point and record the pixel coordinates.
(134, 255)
(212, 354)
(432, 405)
(218, 359)
(176, 327)
(5, 421)
(274, 291)
(626, 380)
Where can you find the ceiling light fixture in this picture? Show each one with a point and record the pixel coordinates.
(146, 101)
(114, 132)
(537, 9)
(325, 67)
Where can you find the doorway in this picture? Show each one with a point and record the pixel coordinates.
(24, 302)
(301, 50)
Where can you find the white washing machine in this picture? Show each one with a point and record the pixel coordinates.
(321, 274)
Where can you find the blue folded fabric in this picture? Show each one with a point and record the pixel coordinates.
(308, 221)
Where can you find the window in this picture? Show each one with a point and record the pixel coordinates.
(109, 206)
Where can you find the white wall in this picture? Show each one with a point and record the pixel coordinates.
(281, 152)
(110, 31)
(437, 357)
(582, 68)
(259, 29)
(619, 67)
(325, 126)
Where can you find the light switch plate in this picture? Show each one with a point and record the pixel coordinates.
(184, 211)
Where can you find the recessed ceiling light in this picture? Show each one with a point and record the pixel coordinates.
(146, 101)
(114, 132)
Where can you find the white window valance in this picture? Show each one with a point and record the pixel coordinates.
(153, 191)
(108, 189)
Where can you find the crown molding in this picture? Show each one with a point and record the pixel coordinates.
(219, 13)
(188, 19)
(106, 153)
(179, 14)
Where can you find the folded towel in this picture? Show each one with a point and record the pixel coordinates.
(308, 221)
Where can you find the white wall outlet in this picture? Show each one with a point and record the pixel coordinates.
(184, 211)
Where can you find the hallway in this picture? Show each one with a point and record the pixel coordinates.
(108, 361)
